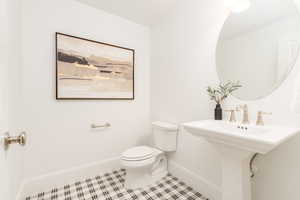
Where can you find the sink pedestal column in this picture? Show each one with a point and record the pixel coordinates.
(236, 181)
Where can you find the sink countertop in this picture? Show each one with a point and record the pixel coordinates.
(264, 138)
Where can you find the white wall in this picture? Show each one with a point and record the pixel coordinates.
(11, 159)
(183, 64)
(59, 131)
(182, 67)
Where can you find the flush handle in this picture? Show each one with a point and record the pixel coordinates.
(8, 140)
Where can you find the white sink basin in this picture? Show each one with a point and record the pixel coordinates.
(257, 139)
(237, 144)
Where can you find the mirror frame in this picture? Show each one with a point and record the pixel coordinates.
(276, 86)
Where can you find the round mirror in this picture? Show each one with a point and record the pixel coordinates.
(259, 47)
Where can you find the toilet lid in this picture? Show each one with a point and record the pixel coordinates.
(138, 153)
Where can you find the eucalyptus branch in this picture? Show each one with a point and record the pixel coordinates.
(224, 90)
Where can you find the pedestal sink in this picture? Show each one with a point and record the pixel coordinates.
(237, 144)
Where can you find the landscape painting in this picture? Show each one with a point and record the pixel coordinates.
(87, 69)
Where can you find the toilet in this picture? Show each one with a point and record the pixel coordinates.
(146, 165)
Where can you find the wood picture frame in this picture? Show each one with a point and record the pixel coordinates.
(91, 70)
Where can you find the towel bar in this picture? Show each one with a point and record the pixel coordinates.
(106, 125)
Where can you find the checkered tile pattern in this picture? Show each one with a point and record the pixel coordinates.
(109, 186)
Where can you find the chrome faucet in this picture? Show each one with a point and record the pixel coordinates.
(244, 108)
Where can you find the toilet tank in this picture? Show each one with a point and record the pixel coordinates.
(165, 136)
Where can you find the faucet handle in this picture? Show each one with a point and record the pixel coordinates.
(260, 121)
(232, 115)
(242, 107)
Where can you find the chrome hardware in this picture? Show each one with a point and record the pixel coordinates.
(8, 140)
(232, 115)
(252, 168)
(244, 108)
(106, 125)
(260, 120)
(242, 127)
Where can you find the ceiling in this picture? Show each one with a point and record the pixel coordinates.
(145, 12)
(150, 12)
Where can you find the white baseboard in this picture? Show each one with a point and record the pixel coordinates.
(200, 184)
(63, 177)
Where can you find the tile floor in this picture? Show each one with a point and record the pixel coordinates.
(109, 186)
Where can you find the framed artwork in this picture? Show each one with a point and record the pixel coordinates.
(87, 69)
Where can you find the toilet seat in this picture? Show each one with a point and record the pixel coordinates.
(138, 153)
(144, 166)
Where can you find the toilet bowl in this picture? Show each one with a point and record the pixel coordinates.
(144, 166)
